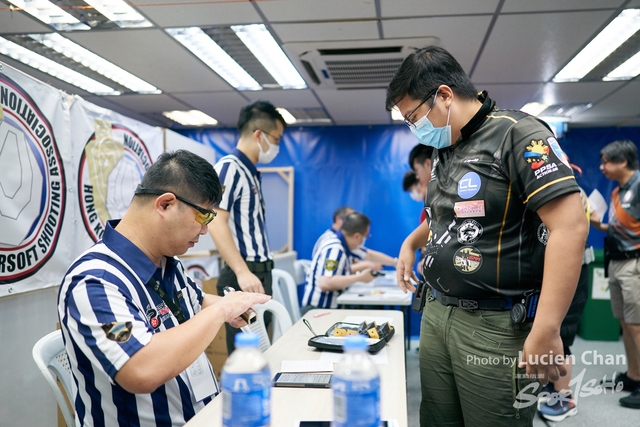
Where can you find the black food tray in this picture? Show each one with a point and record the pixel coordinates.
(329, 342)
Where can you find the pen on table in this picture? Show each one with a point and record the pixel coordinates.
(321, 314)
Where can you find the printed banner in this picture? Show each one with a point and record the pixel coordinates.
(36, 226)
(201, 268)
(112, 153)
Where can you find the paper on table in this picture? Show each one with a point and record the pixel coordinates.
(306, 366)
(598, 204)
(380, 358)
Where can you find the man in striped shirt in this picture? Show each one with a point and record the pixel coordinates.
(240, 234)
(135, 326)
(330, 269)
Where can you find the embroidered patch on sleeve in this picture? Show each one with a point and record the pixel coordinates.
(330, 264)
(118, 331)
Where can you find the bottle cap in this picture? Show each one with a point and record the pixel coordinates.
(247, 340)
(355, 342)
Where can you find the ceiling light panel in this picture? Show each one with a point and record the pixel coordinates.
(626, 71)
(260, 42)
(50, 14)
(119, 12)
(209, 52)
(39, 62)
(625, 25)
(190, 118)
(96, 63)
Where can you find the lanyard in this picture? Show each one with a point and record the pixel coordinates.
(174, 305)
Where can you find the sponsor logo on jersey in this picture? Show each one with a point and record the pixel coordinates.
(469, 185)
(546, 170)
(553, 143)
(543, 234)
(467, 260)
(152, 317)
(32, 185)
(470, 209)
(537, 154)
(627, 196)
(469, 232)
(112, 165)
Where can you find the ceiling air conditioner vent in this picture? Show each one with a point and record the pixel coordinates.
(353, 68)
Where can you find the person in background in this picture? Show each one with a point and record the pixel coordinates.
(240, 235)
(420, 163)
(417, 191)
(362, 258)
(619, 162)
(497, 176)
(330, 269)
(558, 402)
(132, 321)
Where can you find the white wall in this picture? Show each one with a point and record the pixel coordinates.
(25, 398)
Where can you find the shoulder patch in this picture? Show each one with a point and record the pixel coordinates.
(118, 331)
(330, 264)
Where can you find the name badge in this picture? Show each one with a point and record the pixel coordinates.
(201, 378)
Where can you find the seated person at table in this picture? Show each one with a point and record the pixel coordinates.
(362, 257)
(330, 269)
(134, 325)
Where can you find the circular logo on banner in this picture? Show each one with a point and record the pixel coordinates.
(469, 232)
(469, 185)
(32, 185)
(543, 234)
(467, 260)
(111, 168)
(197, 273)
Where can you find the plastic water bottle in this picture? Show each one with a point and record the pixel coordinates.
(246, 385)
(356, 387)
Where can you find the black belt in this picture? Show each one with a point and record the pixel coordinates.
(616, 256)
(496, 304)
(260, 267)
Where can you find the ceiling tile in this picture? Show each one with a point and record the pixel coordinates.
(222, 106)
(176, 14)
(622, 103)
(154, 56)
(414, 8)
(302, 98)
(327, 31)
(355, 106)
(510, 96)
(464, 49)
(20, 22)
(149, 103)
(314, 10)
(107, 102)
(553, 5)
(534, 47)
(557, 93)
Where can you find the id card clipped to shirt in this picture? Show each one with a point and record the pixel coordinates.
(201, 378)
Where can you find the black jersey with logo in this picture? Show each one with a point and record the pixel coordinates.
(486, 238)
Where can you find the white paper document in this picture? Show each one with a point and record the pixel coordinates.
(598, 204)
(306, 366)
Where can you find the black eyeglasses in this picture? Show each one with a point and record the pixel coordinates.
(203, 216)
(272, 136)
(407, 118)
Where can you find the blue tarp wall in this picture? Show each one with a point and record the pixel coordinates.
(363, 167)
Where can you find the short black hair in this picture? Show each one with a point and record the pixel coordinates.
(424, 71)
(419, 154)
(185, 174)
(341, 212)
(619, 151)
(355, 222)
(259, 115)
(410, 179)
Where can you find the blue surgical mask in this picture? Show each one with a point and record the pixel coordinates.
(431, 136)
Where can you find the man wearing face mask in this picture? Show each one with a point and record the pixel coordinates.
(416, 190)
(241, 235)
(497, 176)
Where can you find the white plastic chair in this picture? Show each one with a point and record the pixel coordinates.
(51, 357)
(301, 266)
(281, 320)
(285, 291)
